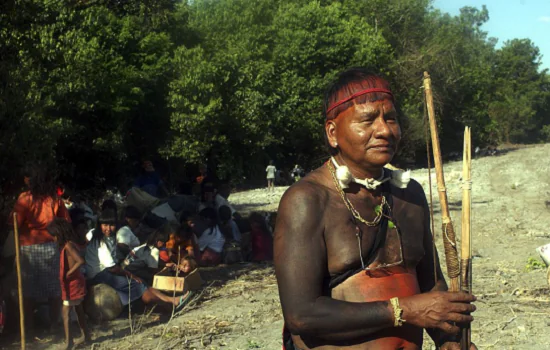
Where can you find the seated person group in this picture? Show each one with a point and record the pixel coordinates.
(127, 256)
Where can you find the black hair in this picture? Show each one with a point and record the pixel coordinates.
(41, 181)
(186, 188)
(260, 219)
(185, 215)
(162, 234)
(109, 204)
(63, 231)
(349, 82)
(132, 212)
(107, 217)
(224, 213)
(80, 221)
(67, 193)
(76, 214)
(185, 231)
(207, 187)
(209, 213)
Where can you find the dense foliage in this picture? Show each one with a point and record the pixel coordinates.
(94, 86)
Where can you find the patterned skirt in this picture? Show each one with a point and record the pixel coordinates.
(40, 271)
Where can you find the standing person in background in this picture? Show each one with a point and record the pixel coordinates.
(150, 181)
(202, 174)
(271, 170)
(297, 173)
(35, 210)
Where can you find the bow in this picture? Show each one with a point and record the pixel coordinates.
(455, 269)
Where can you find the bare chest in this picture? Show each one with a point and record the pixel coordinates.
(352, 245)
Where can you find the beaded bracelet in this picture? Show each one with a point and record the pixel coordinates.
(397, 313)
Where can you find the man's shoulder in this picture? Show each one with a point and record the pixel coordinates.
(24, 199)
(310, 191)
(125, 231)
(24, 195)
(413, 193)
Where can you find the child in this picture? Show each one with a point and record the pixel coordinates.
(211, 241)
(73, 283)
(262, 241)
(144, 261)
(184, 242)
(228, 226)
(187, 265)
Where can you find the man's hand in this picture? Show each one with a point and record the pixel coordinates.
(455, 346)
(438, 310)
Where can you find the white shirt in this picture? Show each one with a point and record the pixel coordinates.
(213, 239)
(165, 211)
(100, 255)
(271, 171)
(125, 236)
(149, 256)
(89, 235)
(220, 202)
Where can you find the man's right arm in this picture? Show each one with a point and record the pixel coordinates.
(300, 265)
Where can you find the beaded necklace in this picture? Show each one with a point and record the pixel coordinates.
(378, 209)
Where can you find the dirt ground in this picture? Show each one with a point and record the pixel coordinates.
(239, 308)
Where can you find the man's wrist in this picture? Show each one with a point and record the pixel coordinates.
(397, 312)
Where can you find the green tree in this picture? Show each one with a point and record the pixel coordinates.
(519, 92)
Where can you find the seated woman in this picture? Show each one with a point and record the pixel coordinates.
(144, 261)
(211, 241)
(125, 236)
(101, 267)
(228, 226)
(261, 239)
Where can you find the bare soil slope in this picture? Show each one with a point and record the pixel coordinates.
(240, 308)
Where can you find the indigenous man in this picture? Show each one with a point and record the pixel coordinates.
(353, 249)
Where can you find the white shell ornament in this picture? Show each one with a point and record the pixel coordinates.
(344, 176)
(400, 178)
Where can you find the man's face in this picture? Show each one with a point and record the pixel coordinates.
(367, 134)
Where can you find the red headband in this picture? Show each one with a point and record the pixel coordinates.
(357, 94)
